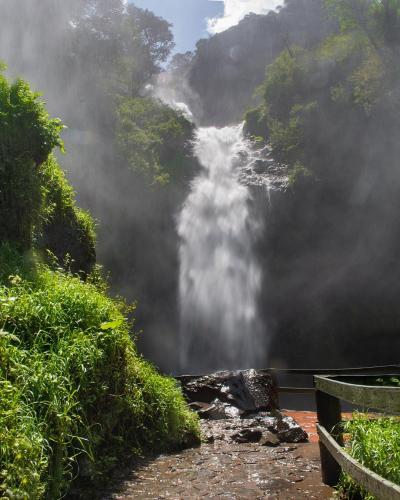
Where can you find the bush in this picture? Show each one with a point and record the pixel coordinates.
(376, 444)
(27, 136)
(155, 140)
(64, 229)
(74, 393)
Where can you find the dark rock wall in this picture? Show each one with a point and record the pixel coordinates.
(331, 278)
(231, 64)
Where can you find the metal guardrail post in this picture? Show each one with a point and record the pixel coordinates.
(329, 414)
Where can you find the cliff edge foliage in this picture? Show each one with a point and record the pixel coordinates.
(75, 396)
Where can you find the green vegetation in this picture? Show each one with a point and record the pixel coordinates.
(74, 393)
(36, 202)
(330, 112)
(75, 396)
(385, 380)
(154, 139)
(129, 157)
(27, 137)
(64, 229)
(376, 444)
(315, 101)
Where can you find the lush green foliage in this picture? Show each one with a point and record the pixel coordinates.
(154, 139)
(27, 136)
(36, 201)
(376, 444)
(349, 81)
(385, 380)
(74, 393)
(67, 231)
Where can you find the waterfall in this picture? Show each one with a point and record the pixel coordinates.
(220, 279)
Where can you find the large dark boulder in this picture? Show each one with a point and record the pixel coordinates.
(248, 391)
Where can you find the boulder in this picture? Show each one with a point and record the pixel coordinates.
(286, 428)
(262, 389)
(217, 410)
(289, 431)
(248, 435)
(269, 439)
(249, 391)
(248, 400)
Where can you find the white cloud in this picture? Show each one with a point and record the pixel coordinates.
(236, 10)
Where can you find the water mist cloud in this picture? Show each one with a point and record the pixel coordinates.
(236, 10)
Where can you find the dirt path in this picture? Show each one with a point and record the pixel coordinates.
(231, 471)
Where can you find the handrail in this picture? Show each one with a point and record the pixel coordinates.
(329, 392)
(384, 398)
(376, 485)
(383, 369)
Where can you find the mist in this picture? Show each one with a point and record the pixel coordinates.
(55, 46)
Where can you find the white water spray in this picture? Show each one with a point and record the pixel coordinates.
(220, 278)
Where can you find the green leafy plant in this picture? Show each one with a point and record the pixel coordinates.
(27, 137)
(376, 444)
(155, 139)
(73, 389)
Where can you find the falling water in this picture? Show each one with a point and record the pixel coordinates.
(220, 278)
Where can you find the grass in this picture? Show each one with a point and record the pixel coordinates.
(74, 394)
(376, 444)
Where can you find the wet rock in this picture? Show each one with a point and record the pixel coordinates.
(286, 428)
(262, 388)
(233, 412)
(248, 435)
(241, 407)
(290, 432)
(208, 438)
(261, 166)
(218, 410)
(249, 391)
(199, 406)
(269, 439)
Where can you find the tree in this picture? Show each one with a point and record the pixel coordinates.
(154, 139)
(379, 20)
(150, 48)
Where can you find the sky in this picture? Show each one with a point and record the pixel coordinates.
(195, 19)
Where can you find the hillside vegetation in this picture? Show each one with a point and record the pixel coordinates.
(129, 156)
(330, 114)
(75, 396)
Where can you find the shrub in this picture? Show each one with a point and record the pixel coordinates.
(75, 394)
(64, 229)
(376, 444)
(27, 136)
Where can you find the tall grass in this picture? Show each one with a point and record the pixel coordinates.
(376, 444)
(74, 394)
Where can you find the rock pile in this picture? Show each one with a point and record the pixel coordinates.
(241, 407)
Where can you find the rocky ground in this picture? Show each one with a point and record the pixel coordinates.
(250, 450)
(224, 469)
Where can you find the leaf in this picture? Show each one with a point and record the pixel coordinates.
(111, 324)
(9, 336)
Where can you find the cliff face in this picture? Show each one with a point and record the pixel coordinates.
(331, 279)
(230, 65)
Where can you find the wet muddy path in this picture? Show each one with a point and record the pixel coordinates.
(231, 471)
